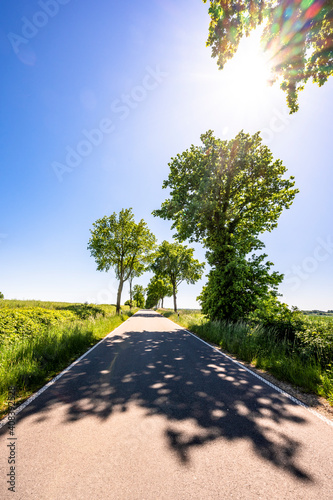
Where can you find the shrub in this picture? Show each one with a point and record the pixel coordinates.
(316, 340)
(276, 316)
(26, 322)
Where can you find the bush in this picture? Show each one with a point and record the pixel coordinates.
(84, 311)
(316, 340)
(275, 315)
(21, 320)
(27, 322)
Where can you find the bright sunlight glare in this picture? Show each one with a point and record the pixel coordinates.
(249, 73)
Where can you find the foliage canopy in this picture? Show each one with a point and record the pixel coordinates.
(226, 190)
(157, 289)
(138, 296)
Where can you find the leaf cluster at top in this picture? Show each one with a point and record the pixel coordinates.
(298, 36)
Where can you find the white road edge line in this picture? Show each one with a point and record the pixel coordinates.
(17, 410)
(281, 391)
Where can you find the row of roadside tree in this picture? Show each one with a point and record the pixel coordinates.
(224, 195)
(130, 249)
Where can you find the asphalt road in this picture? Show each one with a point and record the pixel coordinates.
(154, 413)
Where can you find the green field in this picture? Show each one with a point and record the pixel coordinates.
(304, 359)
(40, 339)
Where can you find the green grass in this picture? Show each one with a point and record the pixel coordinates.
(41, 341)
(304, 363)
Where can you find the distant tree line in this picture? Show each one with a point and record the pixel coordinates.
(318, 312)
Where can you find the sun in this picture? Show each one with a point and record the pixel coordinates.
(248, 73)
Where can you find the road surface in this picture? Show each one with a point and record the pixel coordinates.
(154, 413)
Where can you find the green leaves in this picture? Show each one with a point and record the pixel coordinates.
(157, 289)
(176, 262)
(226, 187)
(17, 323)
(237, 286)
(120, 243)
(138, 296)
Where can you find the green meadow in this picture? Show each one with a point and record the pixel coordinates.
(39, 339)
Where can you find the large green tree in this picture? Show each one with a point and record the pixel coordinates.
(224, 194)
(298, 36)
(175, 262)
(157, 289)
(118, 242)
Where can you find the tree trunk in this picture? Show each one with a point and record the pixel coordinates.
(162, 302)
(174, 299)
(120, 289)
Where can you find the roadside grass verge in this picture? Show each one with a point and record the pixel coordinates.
(300, 363)
(30, 360)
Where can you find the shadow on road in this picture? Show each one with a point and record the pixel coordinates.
(173, 375)
(151, 314)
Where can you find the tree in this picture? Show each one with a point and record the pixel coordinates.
(136, 272)
(139, 296)
(157, 289)
(298, 36)
(151, 301)
(2, 295)
(118, 242)
(176, 263)
(224, 194)
(237, 286)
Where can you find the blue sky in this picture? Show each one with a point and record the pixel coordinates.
(95, 100)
